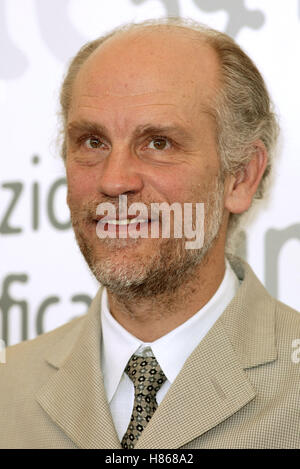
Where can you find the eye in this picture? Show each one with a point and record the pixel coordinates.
(93, 142)
(159, 143)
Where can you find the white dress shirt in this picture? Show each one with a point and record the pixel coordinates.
(171, 350)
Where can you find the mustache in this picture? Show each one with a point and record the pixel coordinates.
(88, 209)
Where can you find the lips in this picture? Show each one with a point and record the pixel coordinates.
(129, 220)
(126, 221)
(124, 227)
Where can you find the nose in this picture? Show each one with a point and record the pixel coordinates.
(120, 174)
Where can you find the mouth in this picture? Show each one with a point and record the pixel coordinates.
(124, 227)
(125, 221)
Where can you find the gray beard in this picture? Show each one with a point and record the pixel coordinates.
(171, 266)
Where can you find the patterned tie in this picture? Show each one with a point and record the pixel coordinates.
(147, 377)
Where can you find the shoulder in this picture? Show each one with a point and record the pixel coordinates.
(26, 362)
(43, 341)
(287, 328)
(287, 314)
(28, 366)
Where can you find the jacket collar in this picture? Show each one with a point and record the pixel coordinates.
(249, 320)
(211, 386)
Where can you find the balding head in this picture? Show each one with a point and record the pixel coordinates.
(176, 55)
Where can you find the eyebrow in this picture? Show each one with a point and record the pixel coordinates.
(140, 131)
(86, 126)
(150, 129)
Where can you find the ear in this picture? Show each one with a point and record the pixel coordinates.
(242, 186)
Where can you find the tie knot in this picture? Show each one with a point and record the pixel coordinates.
(146, 374)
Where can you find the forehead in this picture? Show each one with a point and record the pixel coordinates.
(150, 66)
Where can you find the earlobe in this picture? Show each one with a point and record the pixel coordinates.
(234, 202)
(243, 185)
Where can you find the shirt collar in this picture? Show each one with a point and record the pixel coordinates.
(117, 347)
(171, 350)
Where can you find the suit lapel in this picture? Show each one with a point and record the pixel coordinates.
(74, 397)
(210, 388)
(213, 384)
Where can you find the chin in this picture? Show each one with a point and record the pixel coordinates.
(119, 276)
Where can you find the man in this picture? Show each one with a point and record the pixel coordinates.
(181, 348)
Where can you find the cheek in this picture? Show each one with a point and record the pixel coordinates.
(81, 185)
(185, 184)
(169, 186)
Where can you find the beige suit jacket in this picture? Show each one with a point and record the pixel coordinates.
(238, 389)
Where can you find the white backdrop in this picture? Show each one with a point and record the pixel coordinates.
(44, 281)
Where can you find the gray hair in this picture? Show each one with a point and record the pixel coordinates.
(243, 110)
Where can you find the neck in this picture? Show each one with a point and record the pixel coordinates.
(151, 318)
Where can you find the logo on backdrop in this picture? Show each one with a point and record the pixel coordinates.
(55, 24)
(238, 14)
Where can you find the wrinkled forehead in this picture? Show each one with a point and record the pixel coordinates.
(145, 62)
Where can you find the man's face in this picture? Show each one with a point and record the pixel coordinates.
(138, 126)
